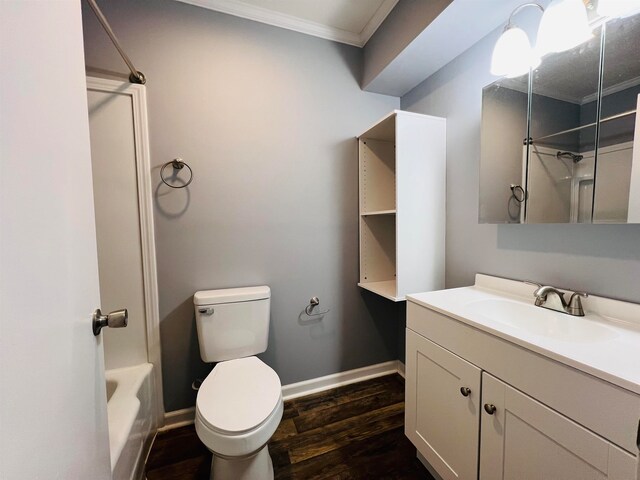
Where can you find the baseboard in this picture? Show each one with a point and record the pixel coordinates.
(180, 418)
(401, 368)
(320, 384)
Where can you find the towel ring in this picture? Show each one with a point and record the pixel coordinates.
(514, 193)
(177, 164)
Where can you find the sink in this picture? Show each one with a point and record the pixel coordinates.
(541, 321)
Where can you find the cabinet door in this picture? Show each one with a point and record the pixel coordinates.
(523, 439)
(440, 420)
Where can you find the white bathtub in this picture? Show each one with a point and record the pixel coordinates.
(131, 411)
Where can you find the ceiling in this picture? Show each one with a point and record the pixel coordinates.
(345, 21)
(572, 76)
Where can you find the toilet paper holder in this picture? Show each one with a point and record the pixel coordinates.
(313, 303)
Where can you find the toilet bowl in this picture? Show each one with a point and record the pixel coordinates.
(238, 408)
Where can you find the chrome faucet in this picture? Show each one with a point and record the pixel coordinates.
(553, 299)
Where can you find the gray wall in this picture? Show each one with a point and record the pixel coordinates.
(602, 259)
(266, 118)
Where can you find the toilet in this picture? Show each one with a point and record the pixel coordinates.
(239, 404)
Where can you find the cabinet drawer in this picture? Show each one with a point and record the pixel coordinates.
(606, 409)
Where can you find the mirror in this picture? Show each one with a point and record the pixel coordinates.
(581, 163)
(616, 198)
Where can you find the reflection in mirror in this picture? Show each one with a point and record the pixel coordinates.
(559, 172)
(580, 160)
(504, 127)
(617, 196)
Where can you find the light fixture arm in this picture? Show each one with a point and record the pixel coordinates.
(519, 8)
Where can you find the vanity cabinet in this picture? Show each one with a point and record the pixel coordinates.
(524, 416)
(402, 205)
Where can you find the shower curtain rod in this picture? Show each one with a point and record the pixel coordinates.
(136, 76)
(571, 130)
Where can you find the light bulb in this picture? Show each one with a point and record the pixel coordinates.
(617, 8)
(512, 55)
(564, 25)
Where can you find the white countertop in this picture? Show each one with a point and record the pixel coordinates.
(605, 343)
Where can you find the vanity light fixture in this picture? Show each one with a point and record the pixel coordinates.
(564, 25)
(512, 54)
(617, 8)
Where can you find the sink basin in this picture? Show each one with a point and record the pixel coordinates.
(541, 321)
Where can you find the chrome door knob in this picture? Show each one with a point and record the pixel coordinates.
(115, 319)
(489, 408)
(465, 391)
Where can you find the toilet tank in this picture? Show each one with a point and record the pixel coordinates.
(232, 323)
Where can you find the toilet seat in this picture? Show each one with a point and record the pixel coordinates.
(239, 406)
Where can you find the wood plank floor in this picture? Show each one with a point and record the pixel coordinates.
(351, 432)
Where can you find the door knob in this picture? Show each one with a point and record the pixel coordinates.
(465, 391)
(115, 319)
(489, 408)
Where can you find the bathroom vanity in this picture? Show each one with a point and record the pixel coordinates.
(497, 388)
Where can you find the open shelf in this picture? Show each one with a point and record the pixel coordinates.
(377, 248)
(386, 289)
(411, 179)
(377, 175)
(378, 212)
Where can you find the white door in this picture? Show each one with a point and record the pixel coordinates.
(53, 415)
(442, 408)
(525, 440)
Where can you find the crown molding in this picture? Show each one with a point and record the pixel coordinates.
(618, 87)
(282, 20)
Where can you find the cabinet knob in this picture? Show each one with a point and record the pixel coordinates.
(465, 391)
(490, 408)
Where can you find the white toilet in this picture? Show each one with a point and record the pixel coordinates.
(239, 404)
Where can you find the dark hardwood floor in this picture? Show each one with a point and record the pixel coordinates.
(351, 432)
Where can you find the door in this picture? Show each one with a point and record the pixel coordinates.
(53, 415)
(524, 440)
(442, 408)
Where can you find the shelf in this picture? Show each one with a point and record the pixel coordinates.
(378, 212)
(377, 166)
(386, 289)
(410, 178)
(377, 248)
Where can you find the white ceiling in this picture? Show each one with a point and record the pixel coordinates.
(345, 21)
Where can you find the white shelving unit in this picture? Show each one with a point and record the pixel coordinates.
(402, 205)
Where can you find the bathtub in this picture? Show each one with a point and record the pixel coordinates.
(132, 424)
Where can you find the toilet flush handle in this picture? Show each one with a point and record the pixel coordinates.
(206, 311)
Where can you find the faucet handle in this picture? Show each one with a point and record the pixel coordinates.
(575, 304)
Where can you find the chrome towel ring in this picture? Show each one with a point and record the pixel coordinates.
(518, 193)
(177, 164)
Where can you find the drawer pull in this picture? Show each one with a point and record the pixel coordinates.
(465, 391)
(490, 408)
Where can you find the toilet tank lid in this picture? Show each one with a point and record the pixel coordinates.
(231, 295)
